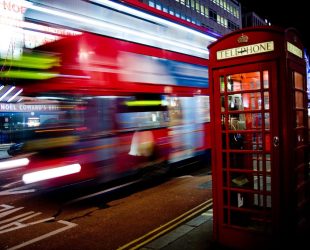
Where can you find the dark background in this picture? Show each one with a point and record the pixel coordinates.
(284, 14)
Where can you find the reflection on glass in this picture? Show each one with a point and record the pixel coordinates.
(257, 162)
(267, 121)
(267, 142)
(266, 100)
(299, 118)
(266, 79)
(298, 79)
(243, 81)
(299, 97)
(251, 141)
(222, 104)
(245, 121)
(222, 84)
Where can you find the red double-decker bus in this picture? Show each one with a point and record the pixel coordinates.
(93, 106)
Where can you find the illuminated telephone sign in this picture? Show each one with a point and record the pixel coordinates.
(245, 50)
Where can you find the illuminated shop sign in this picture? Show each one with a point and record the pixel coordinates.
(294, 50)
(245, 50)
(17, 34)
(13, 107)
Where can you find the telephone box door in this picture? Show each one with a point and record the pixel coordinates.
(247, 157)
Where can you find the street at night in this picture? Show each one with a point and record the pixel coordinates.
(99, 218)
(154, 125)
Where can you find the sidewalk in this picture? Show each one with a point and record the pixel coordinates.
(195, 234)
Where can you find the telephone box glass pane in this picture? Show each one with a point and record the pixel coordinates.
(299, 99)
(222, 84)
(298, 79)
(299, 118)
(244, 81)
(266, 100)
(266, 79)
(245, 101)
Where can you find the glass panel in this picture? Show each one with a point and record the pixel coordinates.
(258, 163)
(299, 99)
(244, 199)
(225, 216)
(225, 182)
(266, 79)
(223, 104)
(267, 121)
(268, 163)
(300, 156)
(251, 141)
(244, 181)
(243, 81)
(245, 121)
(298, 79)
(258, 222)
(244, 101)
(300, 175)
(300, 137)
(223, 122)
(267, 142)
(299, 118)
(222, 84)
(252, 161)
(266, 100)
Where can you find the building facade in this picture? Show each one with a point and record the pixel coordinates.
(219, 16)
(251, 19)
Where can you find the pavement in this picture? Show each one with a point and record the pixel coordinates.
(195, 234)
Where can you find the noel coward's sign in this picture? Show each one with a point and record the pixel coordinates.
(245, 50)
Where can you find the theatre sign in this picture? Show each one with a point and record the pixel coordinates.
(17, 107)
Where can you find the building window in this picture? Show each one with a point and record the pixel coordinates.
(202, 10)
(197, 7)
(206, 12)
(151, 4)
(193, 4)
(212, 15)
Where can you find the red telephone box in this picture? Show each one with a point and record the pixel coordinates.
(260, 159)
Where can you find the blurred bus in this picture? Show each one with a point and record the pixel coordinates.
(94, 106)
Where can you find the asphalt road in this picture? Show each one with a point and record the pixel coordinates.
(105, 217)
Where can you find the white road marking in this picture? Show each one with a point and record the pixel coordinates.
(9, 209)
(185, 176)
(16, 217)
(69, 225)
(16, 191)
(17, 222)
(101, 192)
(11, 184)
(5, 207)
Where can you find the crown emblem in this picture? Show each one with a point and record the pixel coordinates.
(243, 39)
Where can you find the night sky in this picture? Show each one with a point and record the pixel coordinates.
(292, 14)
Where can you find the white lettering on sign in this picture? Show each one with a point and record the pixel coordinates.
(245, 50)
(294, 49)
(19, 221)
(27, 108)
